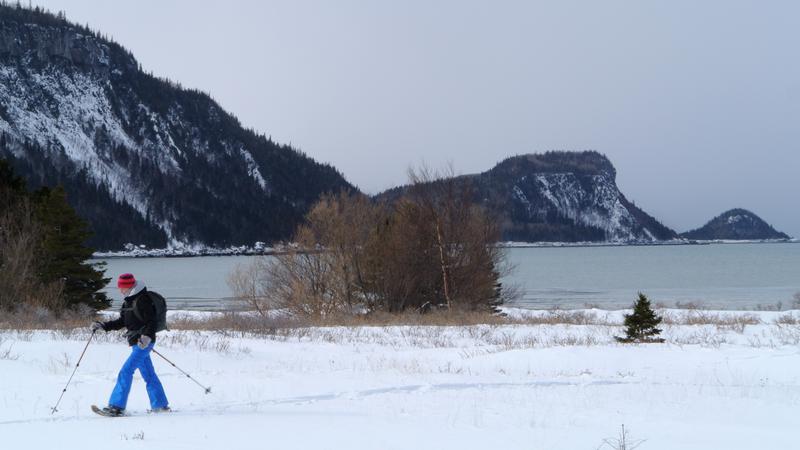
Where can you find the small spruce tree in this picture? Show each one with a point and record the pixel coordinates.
(641, 324)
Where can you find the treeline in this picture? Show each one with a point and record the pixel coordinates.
(432, 249)
(40, 16)
(42, 252)
(16, 11)
(586, 162)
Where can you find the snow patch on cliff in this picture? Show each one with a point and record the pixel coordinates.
(71, 113)
(252, 168)
(594, 203)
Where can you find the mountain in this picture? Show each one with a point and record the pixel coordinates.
(559, 197)
(142, 159)
(736, 224)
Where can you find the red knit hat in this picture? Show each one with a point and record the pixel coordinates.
(126, 280)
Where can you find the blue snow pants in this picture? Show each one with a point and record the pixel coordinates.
(139, 359)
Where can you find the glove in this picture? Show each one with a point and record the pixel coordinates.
(96, 326)
(144, 341)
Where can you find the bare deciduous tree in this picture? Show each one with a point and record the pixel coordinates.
(250, 285)
(431, 248)
(20, 238)
(463, 236)
(324, 271)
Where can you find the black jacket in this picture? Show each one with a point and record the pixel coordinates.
(128, 319)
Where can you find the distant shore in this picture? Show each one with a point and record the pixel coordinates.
(183, 251)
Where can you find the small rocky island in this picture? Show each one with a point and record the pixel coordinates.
(737, 225)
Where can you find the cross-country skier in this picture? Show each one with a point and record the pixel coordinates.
(138, 316)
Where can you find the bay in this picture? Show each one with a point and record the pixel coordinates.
(719, 276)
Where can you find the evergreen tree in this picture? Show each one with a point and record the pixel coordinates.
(9, 181)
(641, 324)
(64, 253)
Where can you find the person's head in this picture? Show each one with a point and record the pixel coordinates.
(126, 282)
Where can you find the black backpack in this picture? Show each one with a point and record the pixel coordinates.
(160, 305)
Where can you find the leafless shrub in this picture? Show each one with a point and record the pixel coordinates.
(623, 442)
(241, 323)
(222, 346)
(569, 317)
(198, 338)
(32, 317)
(787, 334)
(787, 319)
(758, 341)
(507, 339)
(730, 321)
(251, 284)
(20, 236)
(437, 317)
(574, 340)
(478, 333)
(6, 353)
(428, 337)
(324, 272)
(704, 337)
(778, 306)
(434, 330)
(688, 305)
(23, 336)
(59, 364)
(231, 323)
(136, 437)
(738, 323)
(201, 341)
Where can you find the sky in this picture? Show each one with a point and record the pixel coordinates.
(697, 104)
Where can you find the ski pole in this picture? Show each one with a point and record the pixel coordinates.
(55, 408)
(207, 389)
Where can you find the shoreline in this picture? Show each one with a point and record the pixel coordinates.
(262, 250)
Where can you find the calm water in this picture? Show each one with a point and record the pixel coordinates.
(740, 276)
(734, 276)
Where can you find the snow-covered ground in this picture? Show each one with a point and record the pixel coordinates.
(548, 386)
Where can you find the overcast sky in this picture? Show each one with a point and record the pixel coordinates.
(697, 104)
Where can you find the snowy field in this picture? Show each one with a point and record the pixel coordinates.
(545, 386)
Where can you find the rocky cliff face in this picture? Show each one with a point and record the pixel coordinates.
(563, 196)
(560, 197)
(736, 224)
(142, 159)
